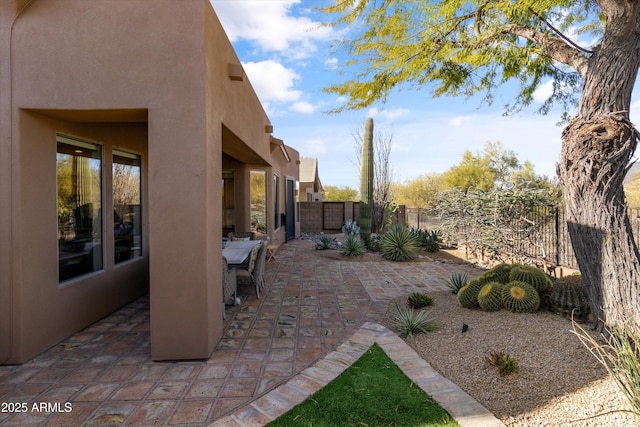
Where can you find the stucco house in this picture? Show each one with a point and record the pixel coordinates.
(310, 186)
(130, 141)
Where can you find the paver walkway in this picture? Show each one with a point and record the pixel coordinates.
(312, 307)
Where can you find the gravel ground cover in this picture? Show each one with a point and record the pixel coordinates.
(558, 382)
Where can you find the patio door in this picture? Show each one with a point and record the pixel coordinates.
(291, 209)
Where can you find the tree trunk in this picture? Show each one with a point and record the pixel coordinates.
(597, 147)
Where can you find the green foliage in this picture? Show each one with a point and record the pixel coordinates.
(420, 192)
(428, 239)
(531, 275)
(620, 356)
(326, 242)
(520, 297)
(333, 193)
(419, 300)
(468, 294)
(501, 223)
(457, 280)
(366, 183)
(460, 48)
(399, 244)
(353, 246)
(409, 322)
(569, 299)
(490, 296)
(472, 172)
(505, 363)
(372, 392)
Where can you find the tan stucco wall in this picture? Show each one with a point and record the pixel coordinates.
(65, 64)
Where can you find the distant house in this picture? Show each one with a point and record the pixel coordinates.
(310, 186)
(130, 142)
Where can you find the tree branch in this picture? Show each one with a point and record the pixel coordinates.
(556, 48)
(562, 36)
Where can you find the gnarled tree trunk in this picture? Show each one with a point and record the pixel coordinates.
(597, 147)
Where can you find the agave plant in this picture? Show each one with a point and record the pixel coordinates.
(353, 246)
(409, 322)
(326, 242)
(457, 280)
(399, 244)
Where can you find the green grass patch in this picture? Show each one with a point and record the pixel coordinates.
(372, 392)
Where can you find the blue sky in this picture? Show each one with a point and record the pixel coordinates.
(288, 60)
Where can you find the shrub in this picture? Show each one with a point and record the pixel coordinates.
(350, 228)
(505, 363)
(490, 296)
(409, 322)
(353, 246)
(326, 242)
(457, 280)
(468, 294)
(428, 239)
(620, 356)
(419, 300)
(399, 244)
(520, 297)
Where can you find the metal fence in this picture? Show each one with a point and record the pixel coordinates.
(547, 239)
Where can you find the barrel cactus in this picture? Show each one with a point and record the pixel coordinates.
(498, 273)
(468, 294)
(490, 296)
(520, 297)
(531, 275)
(570, 299)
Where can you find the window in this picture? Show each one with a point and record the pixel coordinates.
(127, 218)
(276, 202)
(79, 181)
(258, 194)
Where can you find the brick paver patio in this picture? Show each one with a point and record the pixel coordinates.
(314, 310)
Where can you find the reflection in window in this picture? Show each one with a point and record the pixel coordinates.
(258, 194)
(127, 219)
(79, 180)
(276, 201)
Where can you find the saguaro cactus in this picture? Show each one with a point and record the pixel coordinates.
(366, 183)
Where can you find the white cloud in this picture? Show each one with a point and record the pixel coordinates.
(387, 114)
(272, 81)
(543, 92)
(271, 26)
(303, 107)
(314, 147)
(332, 63)
(457, 121)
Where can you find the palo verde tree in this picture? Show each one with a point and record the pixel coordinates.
(472, 46)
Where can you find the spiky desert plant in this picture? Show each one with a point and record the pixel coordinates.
(620, 356)
(353, 246)
(409, 322)
(505, 363)
(326, 242)
(457, 280)
(569, 298)
(419, 300)
(490, 296)
(468, 294)
(497, 273)
(531, 275)
(366, 182)
(399, 244)
(520, 297)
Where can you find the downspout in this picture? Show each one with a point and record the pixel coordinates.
(4, 358)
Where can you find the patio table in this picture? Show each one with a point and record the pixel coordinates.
(237, 252)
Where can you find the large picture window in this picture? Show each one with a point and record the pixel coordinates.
(79, 181)
(127, 218)
(258, 194)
